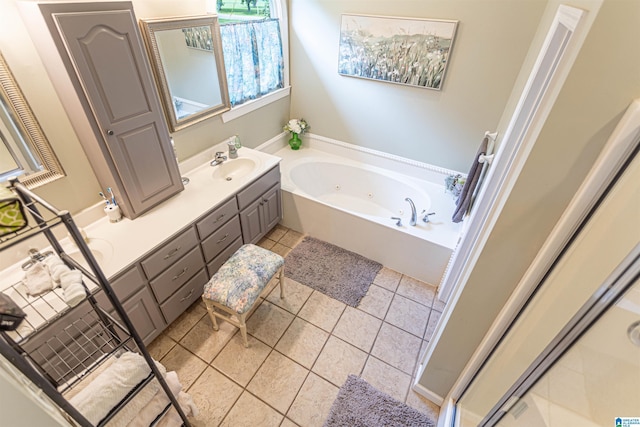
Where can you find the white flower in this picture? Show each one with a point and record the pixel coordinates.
(298, 126)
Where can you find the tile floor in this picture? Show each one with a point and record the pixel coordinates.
(301, 350)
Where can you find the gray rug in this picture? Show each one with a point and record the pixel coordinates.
(336, 272)
(359, 404)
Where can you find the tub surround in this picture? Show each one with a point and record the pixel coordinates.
(421, 251)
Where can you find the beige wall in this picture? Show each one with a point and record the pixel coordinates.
(438, 127)
(79, 189)
(601, 85)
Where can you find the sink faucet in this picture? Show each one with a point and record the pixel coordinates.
(414, 216)
(218, 159)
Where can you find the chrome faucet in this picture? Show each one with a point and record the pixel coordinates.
(414, 215)
(218, 159)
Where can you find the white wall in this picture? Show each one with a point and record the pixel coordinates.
(444, 127)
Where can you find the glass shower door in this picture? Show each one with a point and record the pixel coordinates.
(596, 382)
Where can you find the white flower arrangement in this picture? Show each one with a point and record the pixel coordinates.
(298, 126)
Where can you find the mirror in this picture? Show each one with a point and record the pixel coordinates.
(24, 149)
(186, 57)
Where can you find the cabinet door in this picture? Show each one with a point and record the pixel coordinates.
(107, 54)
(272, 208)
(252, 222)
(145, 315)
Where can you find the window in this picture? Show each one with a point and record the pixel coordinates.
(255, 57)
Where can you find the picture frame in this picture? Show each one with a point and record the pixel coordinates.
(407, 51)
(198, 37)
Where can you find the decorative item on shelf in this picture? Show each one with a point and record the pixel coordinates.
(297, 127)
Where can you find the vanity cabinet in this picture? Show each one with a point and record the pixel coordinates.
(261, 206)
(166, 281)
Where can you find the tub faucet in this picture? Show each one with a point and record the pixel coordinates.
(414, 215)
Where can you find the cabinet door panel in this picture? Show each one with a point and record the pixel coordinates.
(252, 222)
(107, 54)
(145, 315)
(272, 208)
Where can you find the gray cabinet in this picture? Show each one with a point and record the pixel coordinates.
(123, 130)
(261, 206)
(131, 289)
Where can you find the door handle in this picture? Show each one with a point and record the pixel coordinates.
(110, 132)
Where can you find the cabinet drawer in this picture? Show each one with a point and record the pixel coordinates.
(176, 275)
(169, 253)
(217, 262)
(219, 240)
(217, 218)
(255, 190)
(187, 295)
(128, 283)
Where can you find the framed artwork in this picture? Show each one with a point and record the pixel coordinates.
(406, 51)
(198, 37)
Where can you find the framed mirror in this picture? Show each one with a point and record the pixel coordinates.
(187, 62)
(25, 152)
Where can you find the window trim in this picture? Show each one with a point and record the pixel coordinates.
(281, 12)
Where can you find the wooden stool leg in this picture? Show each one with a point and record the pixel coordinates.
(243, 329)
(281, 278)
(211, 314)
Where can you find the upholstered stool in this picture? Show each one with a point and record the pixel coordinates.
(237, 285)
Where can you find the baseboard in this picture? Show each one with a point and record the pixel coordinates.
(427, 394)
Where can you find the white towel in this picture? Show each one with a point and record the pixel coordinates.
(37, 279)
(138, 403)
(70, 278)
(158, 403)
(111, 386)
(172, 418)
(74, 294)
(56, 267)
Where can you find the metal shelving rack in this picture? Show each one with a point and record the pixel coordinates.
(87, 335)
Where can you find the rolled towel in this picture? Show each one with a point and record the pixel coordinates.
(37, 280)
(74, 294)
(139, 402)
(111, 386)
(70, 278)
(158, 403)
(172, 418)
(56, 267)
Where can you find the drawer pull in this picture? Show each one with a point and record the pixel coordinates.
(187, 297)
(172, 253)
(219, 218)
(177, 276)
(223, 239)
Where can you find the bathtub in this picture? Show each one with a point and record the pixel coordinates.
(347, 196)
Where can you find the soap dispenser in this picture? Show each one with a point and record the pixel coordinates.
(233, 145)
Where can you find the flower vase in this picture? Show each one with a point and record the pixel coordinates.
(295, 142)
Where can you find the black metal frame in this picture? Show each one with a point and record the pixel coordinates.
(96, 334)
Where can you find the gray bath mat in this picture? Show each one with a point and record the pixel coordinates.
(336, 272)
(359, 404)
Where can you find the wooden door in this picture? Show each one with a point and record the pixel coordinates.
(108, 57)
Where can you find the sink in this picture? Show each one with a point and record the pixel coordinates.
(101, 249)
(236, 168)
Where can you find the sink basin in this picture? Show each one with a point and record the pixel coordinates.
(101, 249)
(236, 168)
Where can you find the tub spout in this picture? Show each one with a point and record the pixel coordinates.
(414, 215)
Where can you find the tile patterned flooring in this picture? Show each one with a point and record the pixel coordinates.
(301, 350)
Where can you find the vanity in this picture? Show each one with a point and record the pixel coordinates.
(159, 263)
(161, 260)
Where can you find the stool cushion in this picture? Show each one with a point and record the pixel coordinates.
(239, 281)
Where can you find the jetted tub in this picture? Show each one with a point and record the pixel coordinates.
(346, 195)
